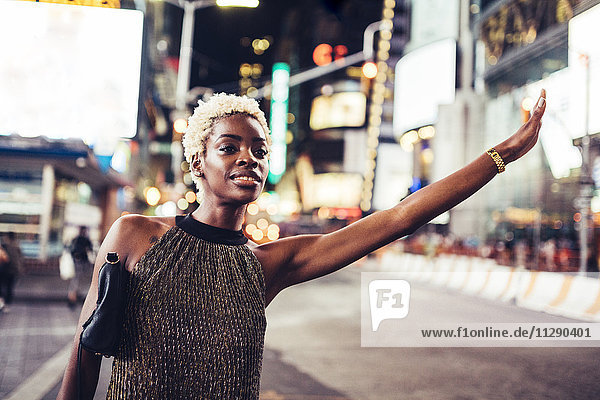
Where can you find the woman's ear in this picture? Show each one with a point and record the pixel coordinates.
(196, 165)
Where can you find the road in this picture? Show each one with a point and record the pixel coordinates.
(312, 350)
(316, 328)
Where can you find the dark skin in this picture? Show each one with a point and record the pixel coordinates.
(233, 170)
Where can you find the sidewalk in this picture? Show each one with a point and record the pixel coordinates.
(42, 288)
(36, 326)
(37, 331)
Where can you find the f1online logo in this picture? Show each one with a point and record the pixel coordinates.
(389, 299)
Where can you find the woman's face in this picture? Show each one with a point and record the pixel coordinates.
(235, 165)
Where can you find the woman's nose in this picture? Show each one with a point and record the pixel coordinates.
(247, 158)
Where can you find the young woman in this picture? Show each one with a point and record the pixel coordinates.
(195, 316)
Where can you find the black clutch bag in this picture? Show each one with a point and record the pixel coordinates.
(102, 331)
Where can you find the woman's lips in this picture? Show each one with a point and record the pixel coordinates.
(245, 181)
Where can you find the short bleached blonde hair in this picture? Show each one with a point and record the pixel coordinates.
(208, 113)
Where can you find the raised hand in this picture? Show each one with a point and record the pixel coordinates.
(526, 137)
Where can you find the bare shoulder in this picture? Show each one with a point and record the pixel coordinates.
(142, 224)
(133, 234)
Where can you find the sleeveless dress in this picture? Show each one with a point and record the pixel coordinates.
(195, 319)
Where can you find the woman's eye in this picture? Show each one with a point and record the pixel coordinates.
(227, 149)
(261, 153)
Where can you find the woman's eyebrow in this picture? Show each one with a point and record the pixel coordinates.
(239, 138)
(227, 135)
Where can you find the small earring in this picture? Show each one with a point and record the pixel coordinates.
(199, 173)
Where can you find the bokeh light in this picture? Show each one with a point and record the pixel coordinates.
(190, 197)
(250, 228)
(152, 195)
(257, 235)
(252, 209)
(262, 223)
(369, 70)
(179, 125)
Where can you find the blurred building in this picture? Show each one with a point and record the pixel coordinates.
(467, 79)
(49, 188)
(523, 46)
(437, 115)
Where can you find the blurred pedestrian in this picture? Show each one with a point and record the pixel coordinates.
(10, 269)
(564, 255)
(485, 250)
(548, 252)
(432, 242)
(80, 248)
(521, 254)
(592, 263)
(502, 253)
(195, 315)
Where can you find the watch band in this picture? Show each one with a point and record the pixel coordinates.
(497, 159)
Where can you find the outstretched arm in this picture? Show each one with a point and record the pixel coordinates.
(301, 258)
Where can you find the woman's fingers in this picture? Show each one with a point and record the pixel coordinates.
(527, 135)
(536, 117)
(540, 107)
(535, 121)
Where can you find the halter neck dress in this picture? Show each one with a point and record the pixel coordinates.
(195, 319)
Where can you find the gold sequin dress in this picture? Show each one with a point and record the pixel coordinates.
(195, 319)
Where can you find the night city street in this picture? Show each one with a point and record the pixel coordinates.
(299, 200)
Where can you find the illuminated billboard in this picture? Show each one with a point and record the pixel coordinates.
(584, 63)
(425, 78)
(393, 175)
(332, 190)
(433, 20)
(339, 110)
(69, 71)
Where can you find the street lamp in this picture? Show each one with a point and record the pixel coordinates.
(187, 35)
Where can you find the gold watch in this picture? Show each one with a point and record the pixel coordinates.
(497, 159)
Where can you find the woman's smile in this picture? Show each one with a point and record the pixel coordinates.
(246, 179)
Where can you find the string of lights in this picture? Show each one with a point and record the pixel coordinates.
(377, 97)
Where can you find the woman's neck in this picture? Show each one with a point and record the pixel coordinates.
(222, 216)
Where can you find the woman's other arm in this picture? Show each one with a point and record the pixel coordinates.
(301, 258)
(120, 238)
